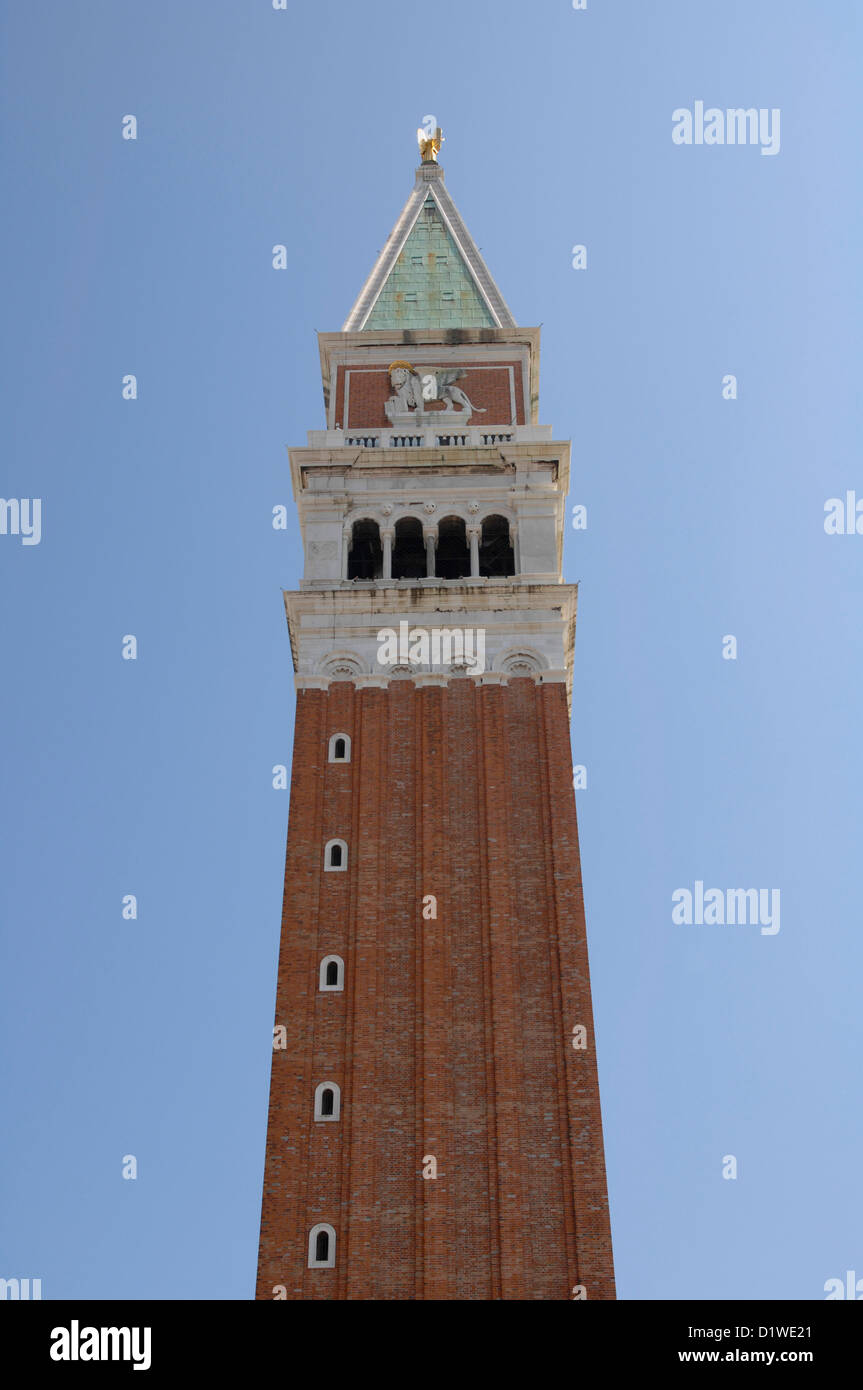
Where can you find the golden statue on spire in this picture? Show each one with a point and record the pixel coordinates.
(429, 141)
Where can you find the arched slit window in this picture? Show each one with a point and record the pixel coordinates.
(365, 554)
(340, 748)
(331, 976)
(322, 1247)
(453, 552)
(328, 1101)
(335, 856)
(496, 555)
(409, 552)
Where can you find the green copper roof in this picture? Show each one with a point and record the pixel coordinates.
(430, 285)
(430, 274)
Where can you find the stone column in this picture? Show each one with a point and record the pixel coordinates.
(474, 533)
(516, 549)
(346, 546)
(430, 535)
(387, 541)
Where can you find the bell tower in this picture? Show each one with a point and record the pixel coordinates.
(434, 1126)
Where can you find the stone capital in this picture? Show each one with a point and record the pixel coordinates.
(430, 678)
(372, 682)
(311, 682)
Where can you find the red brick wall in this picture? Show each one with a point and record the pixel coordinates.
(486, 386)
(452, 1037)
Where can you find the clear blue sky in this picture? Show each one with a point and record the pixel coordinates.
(705, 518)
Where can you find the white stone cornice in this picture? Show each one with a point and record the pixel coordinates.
(525, 624)
(426, 679)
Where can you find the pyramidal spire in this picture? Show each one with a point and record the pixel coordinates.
(429, 274)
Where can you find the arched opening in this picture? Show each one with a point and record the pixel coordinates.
(340, 748)
(453, 552)
(365, 554)
(496, 556)
(409, 552)
(322, 1247)
(335, 856)
(328, 1101)
(331, 975)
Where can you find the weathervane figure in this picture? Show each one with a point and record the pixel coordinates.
(430, 144)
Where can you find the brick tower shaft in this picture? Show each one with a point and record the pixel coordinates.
(434, 1125)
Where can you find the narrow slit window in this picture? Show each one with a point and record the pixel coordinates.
(340, 748)
(322, 1247)
(331, 976)
(328, 1101)
(335, 857)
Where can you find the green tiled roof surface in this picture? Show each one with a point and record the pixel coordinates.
(430, 286)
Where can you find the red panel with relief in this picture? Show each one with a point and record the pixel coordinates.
(495, 390)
